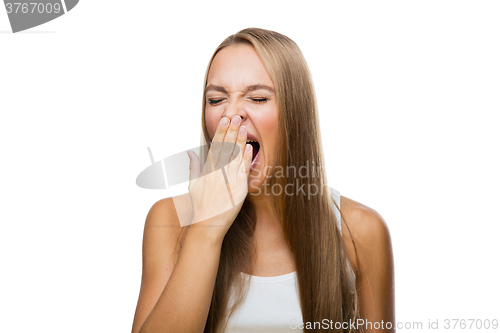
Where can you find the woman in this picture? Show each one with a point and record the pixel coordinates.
(263, 220)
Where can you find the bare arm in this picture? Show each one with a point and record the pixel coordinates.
(177, 283)
(176, 289)
(161, 245)
(185, 301)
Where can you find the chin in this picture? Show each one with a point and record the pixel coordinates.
(255, 184)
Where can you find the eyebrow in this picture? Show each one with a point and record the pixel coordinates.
(246, 90)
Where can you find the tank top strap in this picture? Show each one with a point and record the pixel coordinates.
(336, 197)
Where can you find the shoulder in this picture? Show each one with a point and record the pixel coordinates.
(373, 260)
(161, 211)
(162, 228)
(369, 232)
(169, 211)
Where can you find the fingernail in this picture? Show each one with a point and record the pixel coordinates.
(243, 130)
(224, 121)
(248, 147)
(189, 155)
(235, 120)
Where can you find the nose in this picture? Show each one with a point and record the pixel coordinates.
(235, 109)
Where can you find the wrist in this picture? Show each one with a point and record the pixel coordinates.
(207, 233)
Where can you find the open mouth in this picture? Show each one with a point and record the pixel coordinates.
(255, 148)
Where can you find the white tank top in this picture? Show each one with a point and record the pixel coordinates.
(272, 303)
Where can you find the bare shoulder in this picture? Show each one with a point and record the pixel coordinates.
(373, 260)
(162, 225)
(368, 230)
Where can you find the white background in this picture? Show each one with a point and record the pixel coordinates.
(409, 101)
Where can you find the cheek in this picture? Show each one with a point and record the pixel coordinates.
(270, 128)
(212, 123)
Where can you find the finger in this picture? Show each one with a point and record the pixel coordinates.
(238, 151)
(247, 161)
(194, 165)
(221, 130)
(216, 145)
(229, 142)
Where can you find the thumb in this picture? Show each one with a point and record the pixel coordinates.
(194, 165)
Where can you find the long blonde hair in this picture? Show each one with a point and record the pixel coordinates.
(308, 222)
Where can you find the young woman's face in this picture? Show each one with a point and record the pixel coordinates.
(238, 84)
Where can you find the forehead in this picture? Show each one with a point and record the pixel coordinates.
(236, 67)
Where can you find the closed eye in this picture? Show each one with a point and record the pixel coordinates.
(260, 100)
(214, 101)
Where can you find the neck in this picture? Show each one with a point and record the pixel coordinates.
(264, 205)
